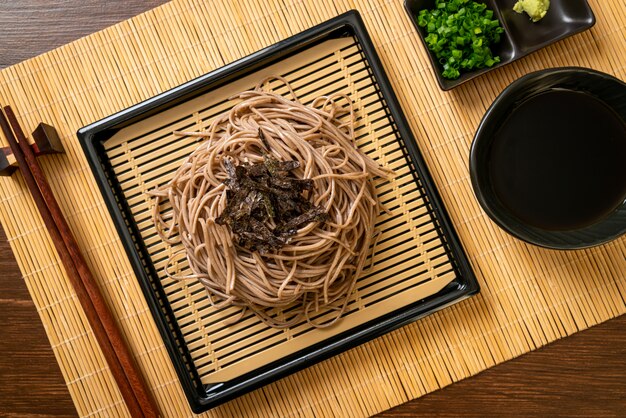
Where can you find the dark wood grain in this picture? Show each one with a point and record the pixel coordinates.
(46, 24)
(583, 375)
(30, 378)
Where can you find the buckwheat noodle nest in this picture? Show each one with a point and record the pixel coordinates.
(316, 271)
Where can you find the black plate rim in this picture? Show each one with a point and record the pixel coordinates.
(466, 286)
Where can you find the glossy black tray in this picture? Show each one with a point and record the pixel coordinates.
(521, 36)
(202, 397)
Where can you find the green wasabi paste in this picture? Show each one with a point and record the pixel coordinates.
(536, 9)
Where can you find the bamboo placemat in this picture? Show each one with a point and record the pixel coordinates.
(530, 296)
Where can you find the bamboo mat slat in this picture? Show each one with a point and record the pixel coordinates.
(529, 296)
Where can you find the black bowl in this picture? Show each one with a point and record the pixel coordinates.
(608, 89)
(521, 36)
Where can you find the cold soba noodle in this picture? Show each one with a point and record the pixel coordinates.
(250, 246)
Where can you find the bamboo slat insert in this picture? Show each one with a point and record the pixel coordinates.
(410, 261)
(529, 296)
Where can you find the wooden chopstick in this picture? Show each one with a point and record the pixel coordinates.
(132, 387)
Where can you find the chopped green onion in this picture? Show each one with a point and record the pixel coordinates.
(460, 33)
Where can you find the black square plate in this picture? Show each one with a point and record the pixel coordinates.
(94, 137)
(521, 36)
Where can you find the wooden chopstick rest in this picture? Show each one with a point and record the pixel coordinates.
(47, 141)
(8, 163)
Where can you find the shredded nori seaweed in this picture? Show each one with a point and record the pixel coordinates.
(266, 204)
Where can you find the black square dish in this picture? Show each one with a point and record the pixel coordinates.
(337, 54)
(521, 36)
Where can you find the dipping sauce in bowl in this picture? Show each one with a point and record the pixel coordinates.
(558, 161)
(548, 162)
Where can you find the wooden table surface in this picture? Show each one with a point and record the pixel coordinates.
(583, 375)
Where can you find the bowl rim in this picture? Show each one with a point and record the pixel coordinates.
(479, 139)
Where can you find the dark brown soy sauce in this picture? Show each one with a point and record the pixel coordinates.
(558, 162)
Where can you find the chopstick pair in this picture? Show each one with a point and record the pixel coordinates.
(138, 399)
